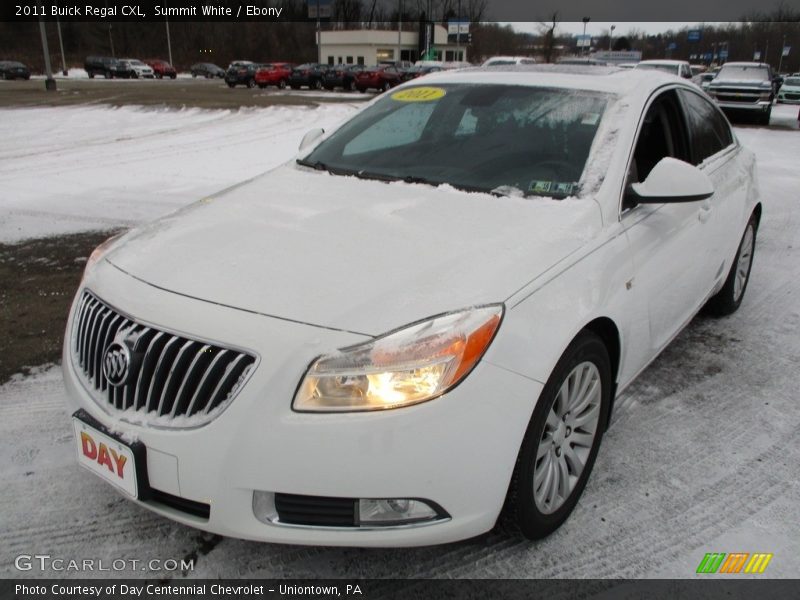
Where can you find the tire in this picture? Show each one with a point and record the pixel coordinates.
(764, 118)
(262, 85)
(382, 87)
(295, 87)
(362, 90)
(316, 85)
(329, 88)
(251, 83)
(554, 436)
(282, 84)
(231, 85)
(159, 76)
(173, 76)
(349, 86)
(729, 298)
(194, 75)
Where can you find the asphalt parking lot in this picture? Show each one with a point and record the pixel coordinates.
(702, 455)
(175, 93)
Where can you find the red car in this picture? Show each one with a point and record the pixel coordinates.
(162, 68)
(380, 78)
(274, 74)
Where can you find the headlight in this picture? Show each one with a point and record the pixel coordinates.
(99, 252)
(408, 366)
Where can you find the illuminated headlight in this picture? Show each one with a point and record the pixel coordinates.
(408, 366)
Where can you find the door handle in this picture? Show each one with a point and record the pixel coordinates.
(704, 214)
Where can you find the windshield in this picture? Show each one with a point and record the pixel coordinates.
(671, 69)
(792, 81)
(746, 72)
(493, 138)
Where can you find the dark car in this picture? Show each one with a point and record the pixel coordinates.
(415, 72)
(207, 70)
(242, 72)
(341, 76)
(379, 78)
(162, 68)
(11, 69)
(276, 74)
(308, 75)
(103, 65)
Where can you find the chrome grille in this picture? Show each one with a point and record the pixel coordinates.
(168, 376)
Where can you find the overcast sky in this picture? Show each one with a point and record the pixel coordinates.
(599, 28)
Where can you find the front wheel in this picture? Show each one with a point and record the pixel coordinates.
(563, 437)
(316, 85)
(282, 84)
(729, 298)
(231, 85)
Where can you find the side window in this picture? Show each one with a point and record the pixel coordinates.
(399, 128)
(709, 132)
(662, 133)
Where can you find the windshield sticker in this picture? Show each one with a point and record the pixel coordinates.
(419, 94)
(590, 119)
(552, 188)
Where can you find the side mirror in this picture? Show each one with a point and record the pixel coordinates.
(311, 137)
(671, 180)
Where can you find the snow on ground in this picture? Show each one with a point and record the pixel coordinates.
(702, 455)
(82, 168)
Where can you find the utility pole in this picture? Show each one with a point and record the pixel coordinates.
(319, 37)
(110, 37)
(583, 39)
(49, 82)
(169, 42)
(458, 32)
(766, 52)
(611, 36)
(399, 29)
(780, 60)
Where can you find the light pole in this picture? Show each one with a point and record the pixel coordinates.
(49, 82)
(61, 45)
(780, 60)
(611, 36)
(583, 39)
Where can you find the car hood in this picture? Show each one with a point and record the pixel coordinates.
(353, 254)
(740, 83)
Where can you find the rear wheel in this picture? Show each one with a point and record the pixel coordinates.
(282, 84)
(563, 438)
(316, 84)
(251, 83)
(173, 76)
(729, 298)
(231, 85)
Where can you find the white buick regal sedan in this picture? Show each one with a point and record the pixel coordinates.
(428, 313)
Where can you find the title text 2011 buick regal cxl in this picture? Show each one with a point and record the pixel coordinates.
(429, 312)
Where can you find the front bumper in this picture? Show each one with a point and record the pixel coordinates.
(457, 451)
(760, 106)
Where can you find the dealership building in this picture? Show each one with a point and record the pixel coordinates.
(371, 46)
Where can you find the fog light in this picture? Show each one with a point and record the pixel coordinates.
(394, 511)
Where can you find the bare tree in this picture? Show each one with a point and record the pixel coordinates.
(549, 33)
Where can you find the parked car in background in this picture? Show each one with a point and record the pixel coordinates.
(744, 88)
(679, 68)
(341, 76)
(499, 61)
(378, 78)
(308, 75)
(134, 68)
(162, 68)
(704, 80)
(242, 73)
(102, 65)
(207, 70)
(12, 69)
(790, 90)
(276, 74)
(416, 72)
(408, 405)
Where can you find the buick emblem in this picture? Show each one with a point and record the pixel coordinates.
(117, 363)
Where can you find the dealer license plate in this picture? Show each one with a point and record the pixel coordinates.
(106, 456)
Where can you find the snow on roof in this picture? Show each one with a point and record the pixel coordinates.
(663, 61)
(609, 80)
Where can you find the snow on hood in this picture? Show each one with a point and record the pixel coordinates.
(364, 256)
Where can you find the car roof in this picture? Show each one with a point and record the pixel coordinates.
(579, 77)
(745, 64)
(662, 61)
